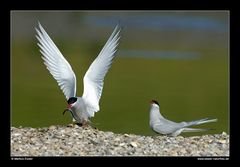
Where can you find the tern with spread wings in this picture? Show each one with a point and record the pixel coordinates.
(81, 108)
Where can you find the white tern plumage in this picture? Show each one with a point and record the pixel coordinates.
(81, 108)
(161, 125)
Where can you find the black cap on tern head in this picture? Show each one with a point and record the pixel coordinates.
(155, 102)
(72, 100)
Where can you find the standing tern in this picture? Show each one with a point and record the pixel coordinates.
(161, 125)
(81, 108)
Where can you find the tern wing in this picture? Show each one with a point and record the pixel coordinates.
(56, 63)
(166, 126)
(93, 79)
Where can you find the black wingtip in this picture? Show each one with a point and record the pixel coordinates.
(119, 26)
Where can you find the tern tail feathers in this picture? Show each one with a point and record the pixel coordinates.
(201, 121)
(194, 130)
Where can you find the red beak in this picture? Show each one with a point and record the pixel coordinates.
(69, 106)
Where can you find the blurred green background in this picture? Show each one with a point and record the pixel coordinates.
(178, 58)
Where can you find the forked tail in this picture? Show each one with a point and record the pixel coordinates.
(201, 121)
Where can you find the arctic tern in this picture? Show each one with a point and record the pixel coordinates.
(161, 125)
(81, 108)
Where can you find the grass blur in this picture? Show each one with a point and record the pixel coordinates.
(186, 89)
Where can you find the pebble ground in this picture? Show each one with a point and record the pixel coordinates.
(72, 140)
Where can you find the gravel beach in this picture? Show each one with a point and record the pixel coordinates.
(72, 140)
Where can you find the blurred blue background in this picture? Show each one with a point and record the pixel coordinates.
(179, 58)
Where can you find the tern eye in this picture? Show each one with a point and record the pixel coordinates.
(72, 100)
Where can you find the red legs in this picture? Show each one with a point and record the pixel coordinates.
(85, 124)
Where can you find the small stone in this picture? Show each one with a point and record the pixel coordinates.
(16, 134)
(174, 153)
(180, 137)
(133, 144)
(117, 139)
(70, 125)
(52, 127)
(75, 126)
(224, 133)
(62, 131)
(210, 141)
(121, 144)
(222, 141)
